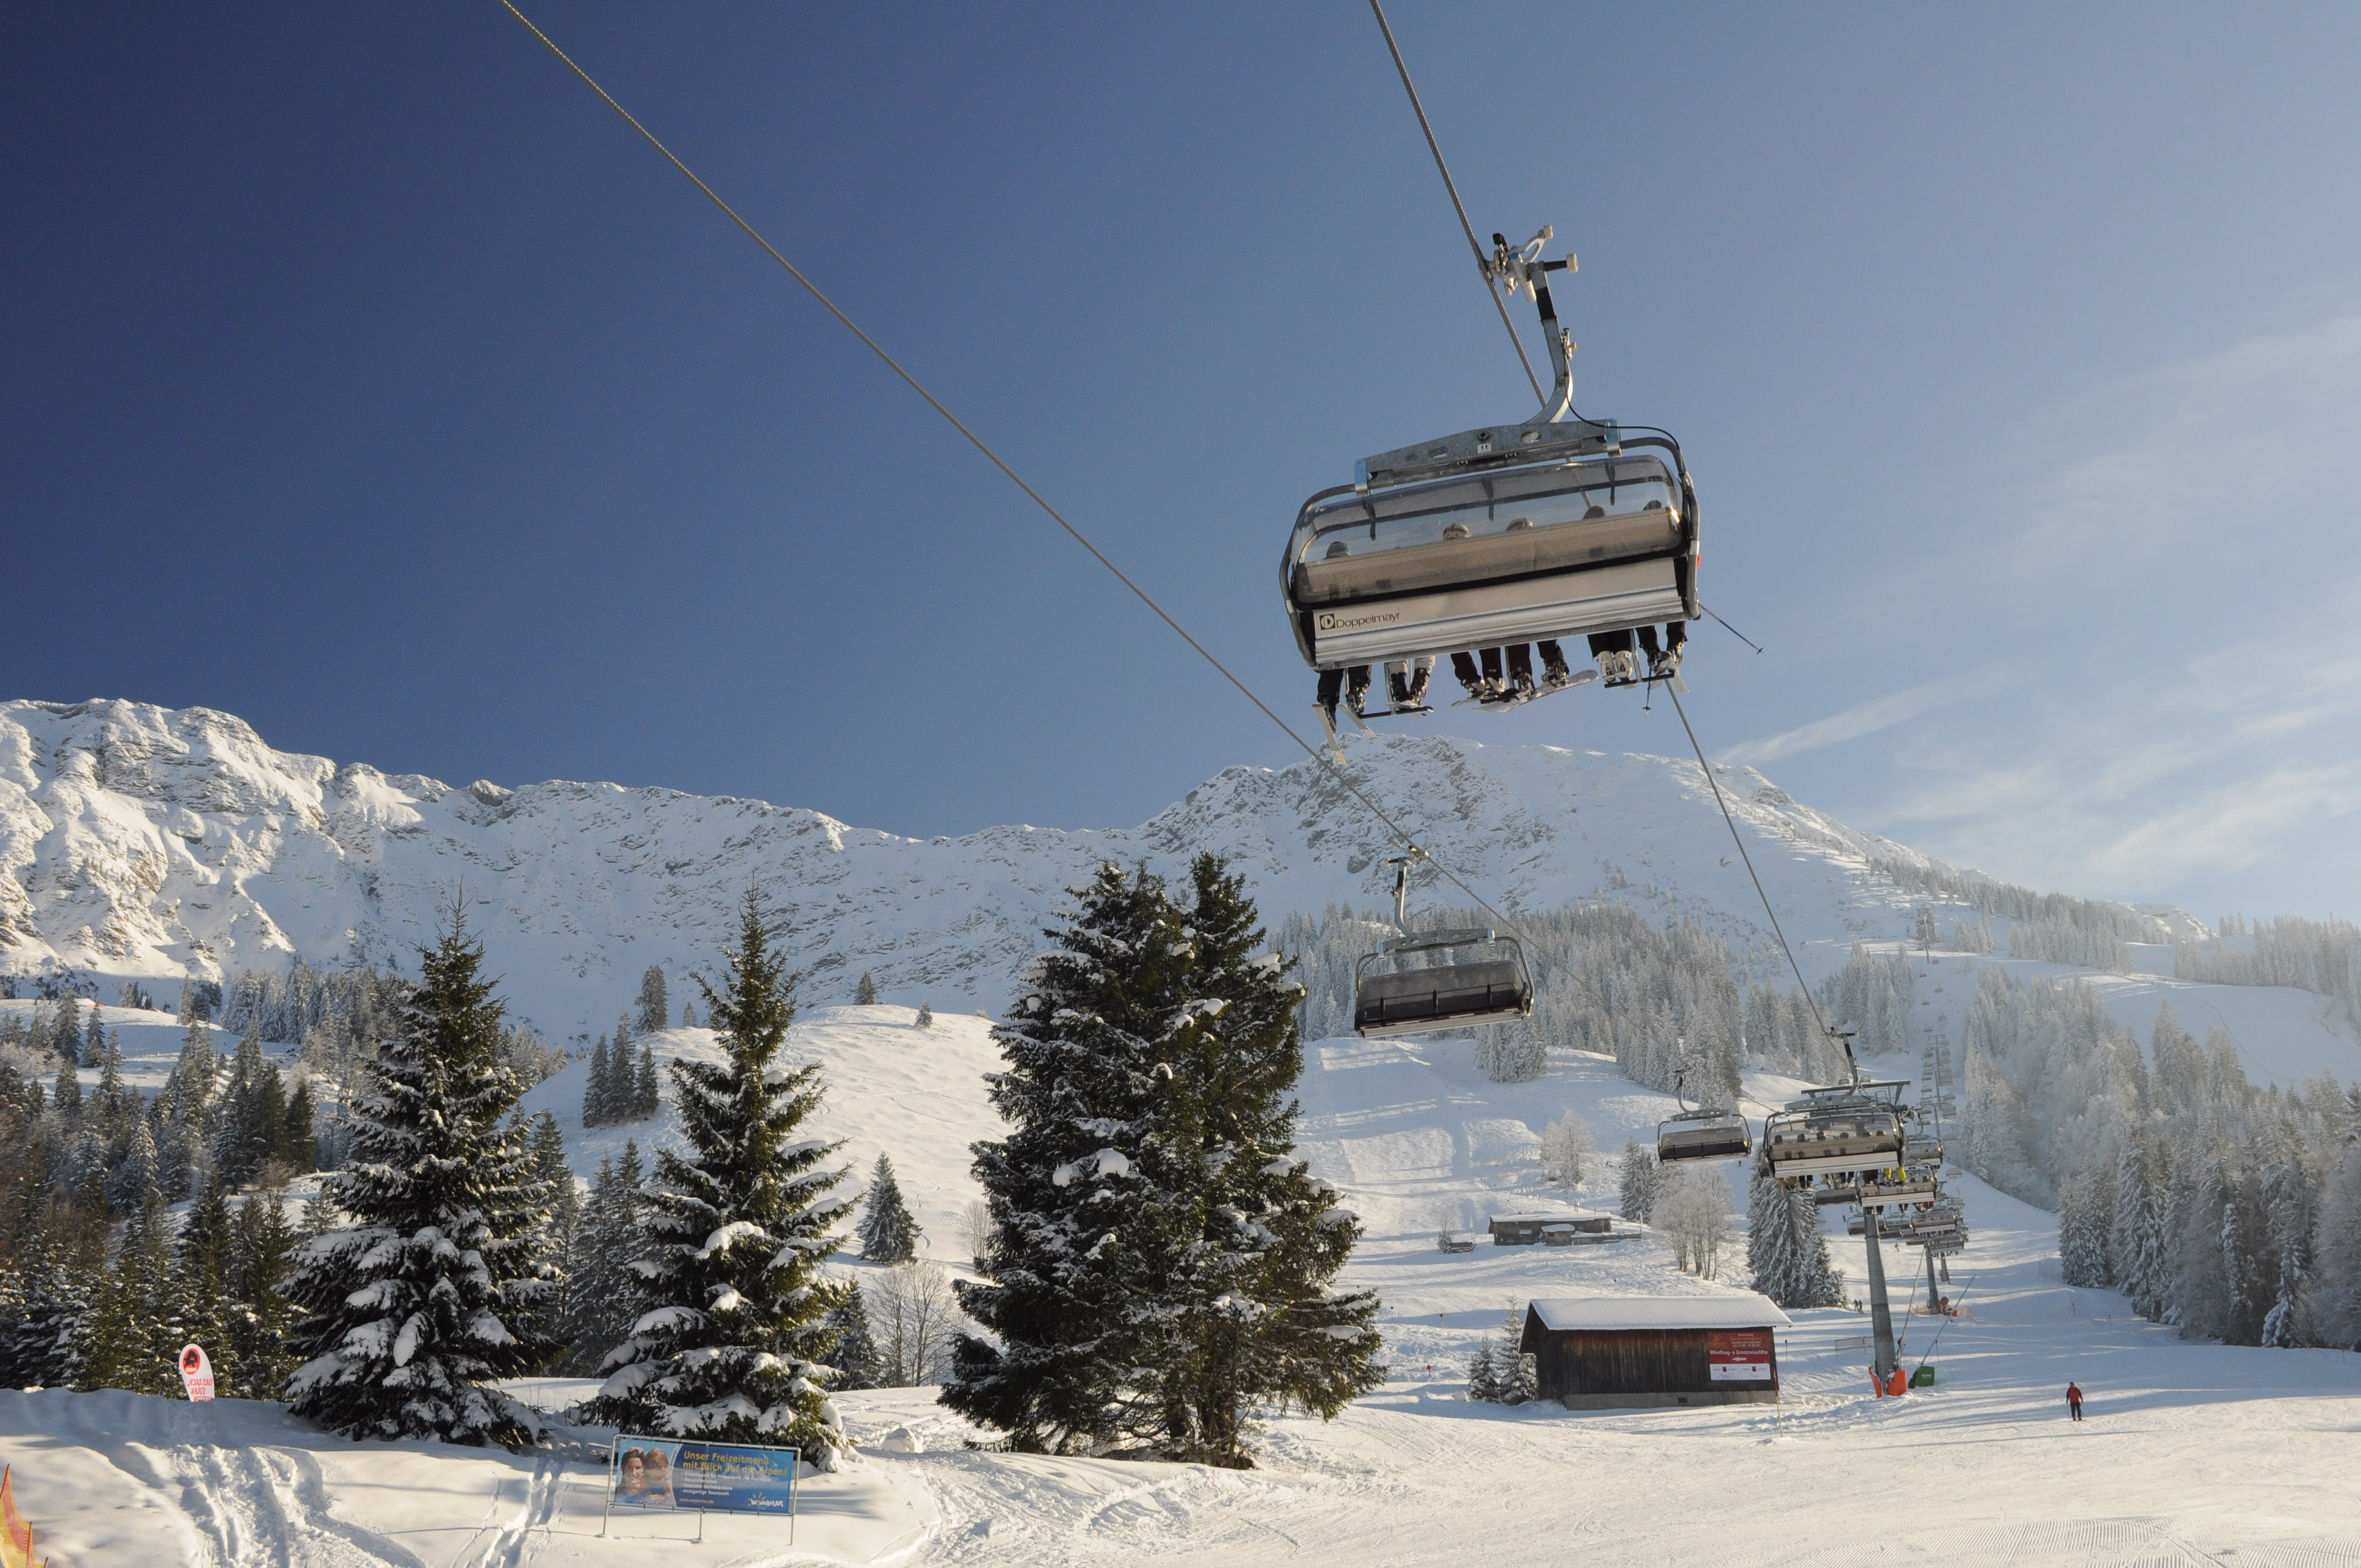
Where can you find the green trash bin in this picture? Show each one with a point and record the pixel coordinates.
(1923, 1378)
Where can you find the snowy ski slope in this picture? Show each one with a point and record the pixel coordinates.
(2193, 1454)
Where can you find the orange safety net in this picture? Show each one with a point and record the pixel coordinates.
(16, 1535)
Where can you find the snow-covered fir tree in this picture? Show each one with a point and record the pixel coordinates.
(1639, 1176)
(856, 1359)
(734, 1340)
(926, 1018)
(427, 1297)
(888, 1231)
(647, 1096)
(1073, 1304)
(1786, 1251)
(598, 1087)
(602, 1290)
(263, 1320)
(654, 1009)
(1162, 1262)
(44, 1343)
(1483, 1375)
(204, 1306)
(1520, 1381)
(865, 993)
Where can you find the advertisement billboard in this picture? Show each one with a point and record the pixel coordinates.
(1738, 1355)
(691, 1473)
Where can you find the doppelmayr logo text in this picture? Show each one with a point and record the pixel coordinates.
(1331, 621)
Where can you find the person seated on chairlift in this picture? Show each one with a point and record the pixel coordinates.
(1353, 683)
(1406, 681)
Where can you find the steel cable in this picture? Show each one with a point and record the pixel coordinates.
(1482, 266)
(1707, 768)
(1407, 839)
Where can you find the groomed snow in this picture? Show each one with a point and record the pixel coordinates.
(2193, 1454)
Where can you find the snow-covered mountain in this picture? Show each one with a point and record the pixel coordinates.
(153, 843)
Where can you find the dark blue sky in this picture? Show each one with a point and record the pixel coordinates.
(366, 377)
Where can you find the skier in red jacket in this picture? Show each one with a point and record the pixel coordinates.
(2075, 1400)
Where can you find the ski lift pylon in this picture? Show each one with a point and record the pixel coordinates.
(1441, 988)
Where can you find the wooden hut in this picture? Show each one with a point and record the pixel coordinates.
(1557, 1228)
(1596, 1352)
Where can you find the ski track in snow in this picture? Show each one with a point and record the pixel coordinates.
(2193, 1454)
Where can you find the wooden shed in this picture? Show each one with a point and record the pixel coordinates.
(1559, 1227)
(1595, 1353)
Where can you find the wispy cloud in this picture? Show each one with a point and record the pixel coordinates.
(2175, 578)
(2243, 754)
(1862, 718)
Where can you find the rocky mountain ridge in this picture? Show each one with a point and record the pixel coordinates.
(149, 843)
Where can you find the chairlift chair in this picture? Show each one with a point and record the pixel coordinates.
(1504, 535)
(1700, 1135)
(1442, 986)
(1857, 1137)
(1907, 1192)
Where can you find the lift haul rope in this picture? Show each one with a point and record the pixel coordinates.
(1482, 266)
(1016, 478)
(1375, 811)
(1377, 8)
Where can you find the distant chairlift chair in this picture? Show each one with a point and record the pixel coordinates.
(1428, 984)
(1700, 1135)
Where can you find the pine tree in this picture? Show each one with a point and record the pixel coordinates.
(2335, 1295)
(2079, 1258)
(602, 1293)
(299, 1146)
(647, 1098)
(1785, 1248)
(47, 1342)
(857, 1362)
(427, 1296)
(132, 1339)
(598, 1095)
(652, 1004)
(734, 1344)
(865, 993)
(558, 1209)
(1483, 1375)
(688, 1017)
(1075, 1283)
(2289, 1201)
(200, 1285)
(1641, 1179)
(888, 1233)
(1162, 1262)
(1260, 1239)
(264, 1321)
(926, 1018)
(1520, 1378)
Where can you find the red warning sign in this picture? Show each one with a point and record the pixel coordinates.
(1738, 1355)
(196, 1372)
